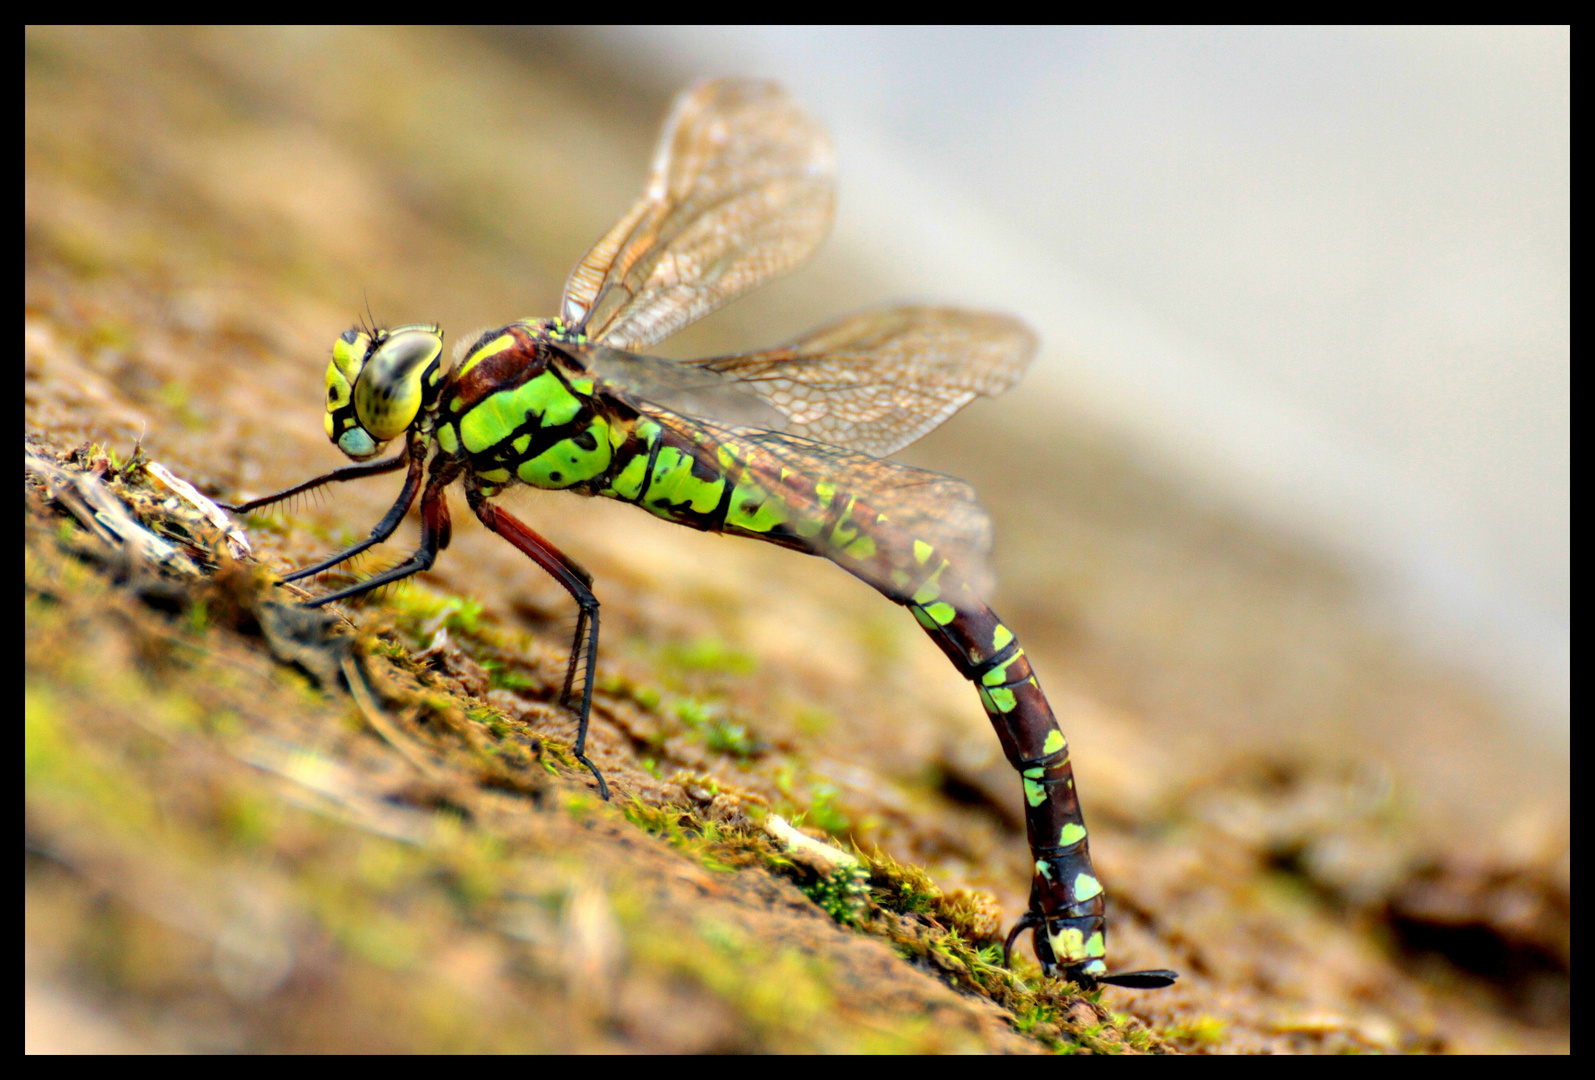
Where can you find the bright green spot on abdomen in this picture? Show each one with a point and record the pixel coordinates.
(999, 674)
(628, 484)
(997, 699)
(1071, 833)
(1054, 742)
(753, 509)
(1069, 944)
(496, 418)
(567, 462)
(1086, 887)
(862, 548)
(930, 588)
(674, 484)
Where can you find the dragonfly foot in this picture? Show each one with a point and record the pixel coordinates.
(1151, 979)
(1027, 921)
(603, 787)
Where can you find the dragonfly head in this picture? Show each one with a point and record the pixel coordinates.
(378, 383)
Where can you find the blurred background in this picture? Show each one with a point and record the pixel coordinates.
(1319, 276)
(1288, 481)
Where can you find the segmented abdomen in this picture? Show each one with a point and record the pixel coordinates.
(720, 480)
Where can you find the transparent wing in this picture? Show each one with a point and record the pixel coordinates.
(874, 382)
(878, 380)
(742, 188)
(682, 388)
(938, 509)
(932, 507)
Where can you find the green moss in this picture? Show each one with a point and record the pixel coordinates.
(724, 737)
(692, 712)
(709, 655)
(707, 721)
(579, 804)
(713, 846)
(1204, 1030)
(502, 678)
(843, 894)
(824, 813)
(421, 612)
(495, 721)
(386, 903)
(782, 993)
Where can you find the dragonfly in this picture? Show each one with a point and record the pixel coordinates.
(787, 445)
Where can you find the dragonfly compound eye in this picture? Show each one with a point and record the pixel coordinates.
(391, 385)
(349, 355)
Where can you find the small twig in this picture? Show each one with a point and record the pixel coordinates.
(101, 512)
(237, 545)
(360, 690)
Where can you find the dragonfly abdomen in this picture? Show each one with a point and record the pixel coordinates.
(1066, 898)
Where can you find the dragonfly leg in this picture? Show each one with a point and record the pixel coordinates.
(577, 582)
(574, 664)
(414, 456)
(384, 529)
(435, 532)
(336, 476)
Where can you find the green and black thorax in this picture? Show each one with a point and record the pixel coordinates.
(521, 408)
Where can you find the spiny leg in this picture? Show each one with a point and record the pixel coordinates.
(384, 528)
(435, 532)
(414, 456)
(583, 616)
(336, 476)
(575, 657)
(575, 581)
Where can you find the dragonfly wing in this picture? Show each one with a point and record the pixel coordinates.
(917, 504)
(742, 188)
(684, 389)
(878, 380)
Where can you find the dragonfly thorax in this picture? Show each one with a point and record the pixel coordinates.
(378, 383)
